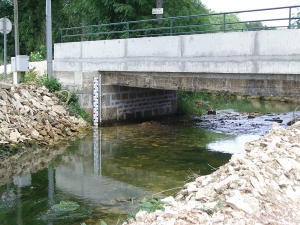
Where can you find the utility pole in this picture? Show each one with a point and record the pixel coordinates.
(159, 4)
(16, 23)
(16, 75)
(49, 37)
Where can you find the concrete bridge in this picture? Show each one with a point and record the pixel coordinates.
(140, 76)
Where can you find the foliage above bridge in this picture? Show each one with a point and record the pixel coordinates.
(191, 24)
(70, 13)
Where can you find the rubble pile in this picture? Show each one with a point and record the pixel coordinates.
(30, 112)
(259, 186)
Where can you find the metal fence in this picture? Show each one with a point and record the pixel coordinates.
(180, 25)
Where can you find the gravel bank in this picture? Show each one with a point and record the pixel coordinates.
(30, 112)
(259, 186)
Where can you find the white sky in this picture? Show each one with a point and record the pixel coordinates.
(239, 5)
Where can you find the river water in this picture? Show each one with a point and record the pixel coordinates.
(111, 169)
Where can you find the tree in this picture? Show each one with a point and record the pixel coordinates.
(296, 23)
(5, 8)
(255, 26)
(114, 11)
(71, 13)
(32, 24)
(233, 23)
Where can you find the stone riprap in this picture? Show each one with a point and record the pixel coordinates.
(30, 112)
(259, 186)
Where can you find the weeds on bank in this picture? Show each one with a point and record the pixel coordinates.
(192, 176)
(6, 79)
(199, 103)
(212, 211)
(101, 223)
(32, 76)
(151, 205)
(70, 99)
(147, 204)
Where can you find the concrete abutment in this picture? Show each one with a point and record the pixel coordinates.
(120, 102)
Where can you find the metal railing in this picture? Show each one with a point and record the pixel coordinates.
(180, 25)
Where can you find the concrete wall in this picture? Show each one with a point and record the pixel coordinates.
(266, 52)
(287, 85)
(251, 63)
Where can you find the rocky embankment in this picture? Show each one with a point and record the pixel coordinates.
(260, 186)
(30, 112)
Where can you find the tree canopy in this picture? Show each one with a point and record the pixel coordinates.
(76, 13)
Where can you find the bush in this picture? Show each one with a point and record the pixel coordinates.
(185, 103)
(38, 55)
(75, 109)
(52, 84)
(32, 76)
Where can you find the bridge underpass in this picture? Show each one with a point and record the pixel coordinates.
(139, 77)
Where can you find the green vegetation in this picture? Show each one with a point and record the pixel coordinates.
(32, 76)
(52, 84)
(64, 211)
(70, 99)
(67, 13)
(296, 23)
(213, 210)
(186, 103)
(65, 206)
(38, 55)
(7, 79)
(149, 205)
(101, 223)
(198, 103)
(230, 18)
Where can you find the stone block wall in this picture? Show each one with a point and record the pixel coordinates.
(119, 102)
(125, 103)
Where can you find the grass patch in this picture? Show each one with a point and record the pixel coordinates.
(190, 103)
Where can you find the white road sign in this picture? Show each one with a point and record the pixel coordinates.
(8, 25)
(157, 11)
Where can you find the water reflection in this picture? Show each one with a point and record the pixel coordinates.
(232, 146)
(105, 173)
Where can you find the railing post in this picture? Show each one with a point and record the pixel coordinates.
(171, 27)
(128, 34)
(224, 22)
(91, 32)
(61, 38)
(290, 16)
